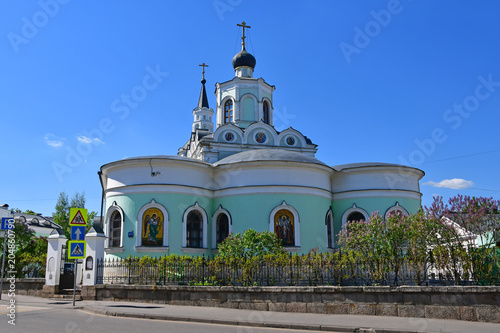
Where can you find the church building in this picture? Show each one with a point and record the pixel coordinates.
(239, 174)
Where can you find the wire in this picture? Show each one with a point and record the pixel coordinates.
(236, 42)
(463, 156)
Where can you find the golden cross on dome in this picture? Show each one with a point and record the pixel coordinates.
(243, 25)
(203, 65)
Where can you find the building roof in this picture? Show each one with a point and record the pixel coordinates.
(244, 59)
(269, 155)
(371, 164)
(203, 101)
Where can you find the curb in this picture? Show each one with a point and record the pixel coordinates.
(312, 327)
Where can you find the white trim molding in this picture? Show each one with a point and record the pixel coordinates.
(152, 204)
(296, 221)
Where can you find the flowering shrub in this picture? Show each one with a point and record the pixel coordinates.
(454, 241)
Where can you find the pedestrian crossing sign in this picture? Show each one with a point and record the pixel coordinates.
(77, 249)
(77, 216)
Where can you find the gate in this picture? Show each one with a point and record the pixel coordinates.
(67, 280)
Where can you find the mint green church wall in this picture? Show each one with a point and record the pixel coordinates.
(248, 109)
(247, 211)
(175, 204)
(253, 211)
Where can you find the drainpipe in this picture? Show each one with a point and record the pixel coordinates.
(102, 199)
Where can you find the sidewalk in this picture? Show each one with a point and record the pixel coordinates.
(306, 321)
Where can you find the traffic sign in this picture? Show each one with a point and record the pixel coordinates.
(76, 249)
(77, 216)
(78, 233)
(7, 223)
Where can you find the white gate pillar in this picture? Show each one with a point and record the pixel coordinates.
(56, 242)
(94, 253)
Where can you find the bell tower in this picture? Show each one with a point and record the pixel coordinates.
(202, 114)
(244, 100)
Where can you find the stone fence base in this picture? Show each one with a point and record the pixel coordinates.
(471, 303)
(25, 286)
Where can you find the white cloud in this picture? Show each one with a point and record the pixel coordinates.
(455, 183)
(85, 139)
(53, 140)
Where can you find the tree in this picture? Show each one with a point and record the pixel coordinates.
(470, 227)
(30, 251)
(62, 213)
(250, 244)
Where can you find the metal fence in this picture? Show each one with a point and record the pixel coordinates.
(293, 271)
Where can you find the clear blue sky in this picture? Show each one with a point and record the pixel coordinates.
(413, 82)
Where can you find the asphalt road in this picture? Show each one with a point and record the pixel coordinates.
(57, 318)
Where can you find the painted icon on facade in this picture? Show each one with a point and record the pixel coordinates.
(290, 141)
(152, 227)
(229, 136)
(260, 137)
(284, 227)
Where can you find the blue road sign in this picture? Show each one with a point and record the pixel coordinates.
(78, 233)
(76, 249)
(7, 223)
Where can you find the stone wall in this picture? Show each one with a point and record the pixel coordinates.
(472, 303)
(25, 286)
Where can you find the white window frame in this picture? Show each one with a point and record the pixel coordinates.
(396, 207)
(113, 208)
(354, 208)
(197, 207)
(219, 211)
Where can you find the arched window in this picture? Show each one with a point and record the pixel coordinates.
(265, 113)
(354, 213)
(355, 217)
(396, 209)
(329, 229)
(194, 229)
(115, 229)
(228, 111)
(222, 228)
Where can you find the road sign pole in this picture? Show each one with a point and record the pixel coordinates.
(3, 260)
(74, 285)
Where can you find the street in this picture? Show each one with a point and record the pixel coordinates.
(60, 317)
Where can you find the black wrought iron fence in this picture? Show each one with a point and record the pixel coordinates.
(302, 270)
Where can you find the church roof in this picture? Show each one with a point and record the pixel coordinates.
(244, 59)
(269, 155)
(371, 164)
(203, 101)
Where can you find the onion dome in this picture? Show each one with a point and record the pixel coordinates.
(244, 59)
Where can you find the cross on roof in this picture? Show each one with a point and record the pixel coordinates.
(243, 25)
(203, 65)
